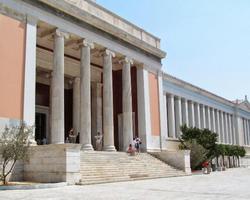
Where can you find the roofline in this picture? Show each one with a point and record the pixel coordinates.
(121, 18)
(203, 91)
(85, 16)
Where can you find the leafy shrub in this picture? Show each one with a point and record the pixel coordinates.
(14, 144)
(197, 153)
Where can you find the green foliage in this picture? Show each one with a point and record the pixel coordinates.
(192, 138)
(229, 150)
(197, 154)
(241, 152)
(204, 137)
(13, 147)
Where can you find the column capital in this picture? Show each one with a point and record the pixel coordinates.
(178, 98)
(184, 99)
(77, 79)
(108, 52)
(191, 101)
(126, 60)
(86, 43)
(170, 95)
(61, 33)
(196, 104)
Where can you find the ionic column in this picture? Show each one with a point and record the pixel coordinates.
(203, 116)
(96, 111)
(248, 128)
(191, 113)
(213, 126)
(226, 128)
(76, 105)
(222, 127)
(57, 89)
(217, 122)
(229, 129)
(197, 115)
(127, 104)
(171, 115)
(247, 131)
(244, 131)
(208, 120)
(233, 130)
(85, 103)
(108, 122)
(178, 116)
(185, 112)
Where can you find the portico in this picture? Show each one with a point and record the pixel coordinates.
(75, 80)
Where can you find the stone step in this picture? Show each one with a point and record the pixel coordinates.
(124, 169)
(127, 172)
(103, 167)
(93, 168)
(130, 176)
(104, 180)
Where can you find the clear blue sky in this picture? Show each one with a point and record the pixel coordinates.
(207, 41)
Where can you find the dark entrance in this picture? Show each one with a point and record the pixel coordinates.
(40, 133)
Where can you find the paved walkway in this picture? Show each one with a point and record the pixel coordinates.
(232, 184)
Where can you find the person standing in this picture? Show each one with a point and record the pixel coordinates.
(98, 141)
(137, 144)
(72, 136)
(134, 143)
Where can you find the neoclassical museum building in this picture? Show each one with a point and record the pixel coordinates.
(73, 64)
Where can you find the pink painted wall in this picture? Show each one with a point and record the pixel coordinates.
(12, 53)
(154, 104)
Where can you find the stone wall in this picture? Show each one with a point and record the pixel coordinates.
(178, 159)
(53, 163)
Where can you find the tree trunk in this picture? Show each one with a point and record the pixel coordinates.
(10, 170)
(223, 161)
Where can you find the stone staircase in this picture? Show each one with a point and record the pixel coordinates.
(104, 167)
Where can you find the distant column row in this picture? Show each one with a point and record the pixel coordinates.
(184, 111)
(246, 131)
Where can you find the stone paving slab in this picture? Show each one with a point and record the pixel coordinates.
(31, 186)
(229, 185)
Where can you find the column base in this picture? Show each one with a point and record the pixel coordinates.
(109, 148)
(32, 143)
(87, 147)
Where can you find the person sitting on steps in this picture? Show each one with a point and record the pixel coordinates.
(131, 150)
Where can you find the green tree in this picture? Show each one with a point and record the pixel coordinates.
(14, 144)
(197, 153)
(229, 152)
(241, 153)
(204, 137)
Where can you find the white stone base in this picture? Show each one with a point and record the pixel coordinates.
(53, 163)
(179, 159)
(87, 147)
(109, 148)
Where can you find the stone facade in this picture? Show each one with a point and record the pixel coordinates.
(76, 64)
(195, 107)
